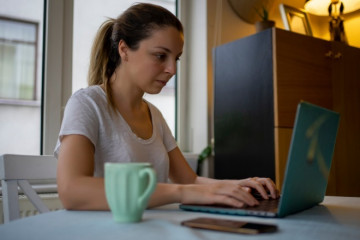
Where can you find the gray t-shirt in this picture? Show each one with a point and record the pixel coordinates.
(87, 113)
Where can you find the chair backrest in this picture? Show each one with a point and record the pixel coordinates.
(17, 170)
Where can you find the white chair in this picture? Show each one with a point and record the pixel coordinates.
(17, 170)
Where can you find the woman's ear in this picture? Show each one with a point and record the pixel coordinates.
(123, 49)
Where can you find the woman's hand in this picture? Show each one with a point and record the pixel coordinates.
(234, 193)
(191, 189)
(263, 185)
(227, 192)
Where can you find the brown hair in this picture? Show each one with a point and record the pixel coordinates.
(133, 26)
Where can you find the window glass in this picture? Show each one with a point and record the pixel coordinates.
(20, 75)
(18, 43)
(87, 20)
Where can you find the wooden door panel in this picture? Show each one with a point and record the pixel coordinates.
(297, 77)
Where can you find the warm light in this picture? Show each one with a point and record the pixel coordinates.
(320, 7)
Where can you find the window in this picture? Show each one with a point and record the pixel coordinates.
(21, 22)
(18, 44)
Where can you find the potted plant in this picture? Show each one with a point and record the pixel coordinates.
(206, 152)
(265, 23)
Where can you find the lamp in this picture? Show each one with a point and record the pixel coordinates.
(335, 9)
(320, 7)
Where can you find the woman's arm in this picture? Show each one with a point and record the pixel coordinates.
(80, 190)
(77, 187)
(200, 190)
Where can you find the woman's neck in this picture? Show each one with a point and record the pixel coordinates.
(125, 94)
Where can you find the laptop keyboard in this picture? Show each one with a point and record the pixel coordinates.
(266, 208)
(266, 205)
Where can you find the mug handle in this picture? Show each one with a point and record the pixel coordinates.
(150, 187)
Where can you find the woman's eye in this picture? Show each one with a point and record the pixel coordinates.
(160, 56)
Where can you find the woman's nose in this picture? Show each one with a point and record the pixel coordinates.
(171, 67)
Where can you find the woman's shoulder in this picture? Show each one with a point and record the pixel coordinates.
(92, 91)
(153, 108)
(92, 96)
(155, 113)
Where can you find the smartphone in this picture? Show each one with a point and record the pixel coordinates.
(226, 225)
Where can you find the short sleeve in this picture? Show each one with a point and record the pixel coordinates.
(79, 118)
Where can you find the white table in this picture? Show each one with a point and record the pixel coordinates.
(335, 218)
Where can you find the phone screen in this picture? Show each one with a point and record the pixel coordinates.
(230, 225)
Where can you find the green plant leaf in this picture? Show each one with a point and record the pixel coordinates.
(204, 154)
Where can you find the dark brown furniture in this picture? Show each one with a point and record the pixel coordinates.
(259, 81)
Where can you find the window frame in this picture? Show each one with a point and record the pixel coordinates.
(35, 99)
(57, 70)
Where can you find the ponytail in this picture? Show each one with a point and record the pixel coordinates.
(104, 59)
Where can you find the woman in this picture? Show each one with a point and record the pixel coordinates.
(111, 122)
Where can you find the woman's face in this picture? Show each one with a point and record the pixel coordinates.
(152, 65)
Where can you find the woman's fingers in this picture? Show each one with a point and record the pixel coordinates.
(262, 185)
(270, 185)
(236, 192)
(257, 185)
(226, 193)
(230, 201)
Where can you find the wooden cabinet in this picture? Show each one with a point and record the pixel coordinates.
(259, 80)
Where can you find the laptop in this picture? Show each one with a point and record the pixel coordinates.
(307, 170)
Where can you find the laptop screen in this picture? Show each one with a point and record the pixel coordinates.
(309, 160)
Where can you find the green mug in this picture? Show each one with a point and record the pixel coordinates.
(128, 187)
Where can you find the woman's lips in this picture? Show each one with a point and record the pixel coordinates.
(161, 82)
